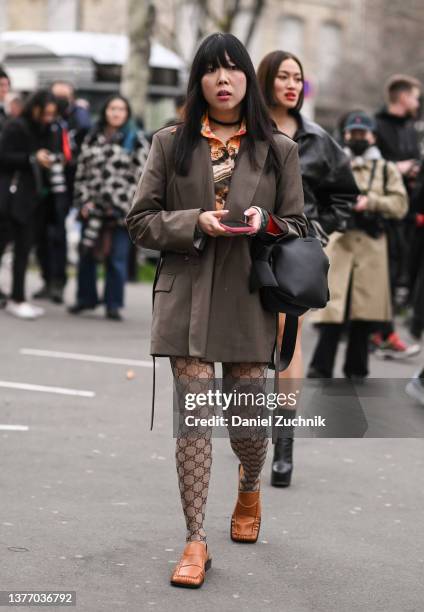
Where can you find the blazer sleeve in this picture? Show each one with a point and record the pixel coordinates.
(288, 214)
(149, 224)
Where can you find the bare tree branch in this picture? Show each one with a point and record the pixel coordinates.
(255, 15)
(135, 76)
(225, 21)
(230, 15)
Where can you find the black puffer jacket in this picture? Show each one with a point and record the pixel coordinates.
(329, 187)
(3, 118)
(397, 138)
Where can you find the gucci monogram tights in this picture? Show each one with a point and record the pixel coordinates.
(194, 449)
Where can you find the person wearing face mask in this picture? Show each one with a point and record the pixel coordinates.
(25, 173)
(72, 125)
(359, 268)
(76, 118)
(329, 190)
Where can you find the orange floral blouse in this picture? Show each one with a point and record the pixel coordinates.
(223, 156)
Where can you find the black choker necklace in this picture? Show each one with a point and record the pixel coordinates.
(224, 122)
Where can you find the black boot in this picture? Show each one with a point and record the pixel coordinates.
(3, 299)
(282, 462)
(56, 292)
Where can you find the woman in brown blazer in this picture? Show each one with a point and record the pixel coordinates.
(224, 161)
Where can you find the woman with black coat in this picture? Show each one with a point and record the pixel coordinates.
(25, 160)
(328, 185)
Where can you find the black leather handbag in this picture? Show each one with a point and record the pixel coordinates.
(290, 274)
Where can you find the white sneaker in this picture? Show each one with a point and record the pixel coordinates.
(415, 389)
(24, 310)
(37, 309)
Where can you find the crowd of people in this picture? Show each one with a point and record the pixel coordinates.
(54, 157)
(363, 198)
(233, 154)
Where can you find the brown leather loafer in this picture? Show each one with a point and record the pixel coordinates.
(194, 562)
(246, 518)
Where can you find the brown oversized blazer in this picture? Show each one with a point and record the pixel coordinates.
(202, 304)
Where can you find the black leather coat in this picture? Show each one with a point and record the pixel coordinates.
(329, 187)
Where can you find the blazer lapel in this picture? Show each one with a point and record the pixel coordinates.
(196, 190)
(245, 180)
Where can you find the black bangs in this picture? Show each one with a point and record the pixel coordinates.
(215, 53)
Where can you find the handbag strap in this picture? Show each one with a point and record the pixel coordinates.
(153, 393)
(283, 356)
(371, 177)
(157, 272)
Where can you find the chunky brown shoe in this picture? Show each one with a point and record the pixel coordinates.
(246, 518)
(194, 562)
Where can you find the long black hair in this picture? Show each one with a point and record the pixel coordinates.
(102, 122)
(268, 70)
(126, 135)
(39, 99)
(212, 52)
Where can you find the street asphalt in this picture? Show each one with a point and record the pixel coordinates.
(90, 501)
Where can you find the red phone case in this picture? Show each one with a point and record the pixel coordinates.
(239, 229)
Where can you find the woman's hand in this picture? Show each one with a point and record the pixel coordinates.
(209, 222)
(43, 158)
(361, 204)
(253, 218)
(405, 166)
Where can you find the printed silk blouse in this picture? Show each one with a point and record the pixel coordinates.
(223, 157)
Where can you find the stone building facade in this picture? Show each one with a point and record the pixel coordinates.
(348, 47)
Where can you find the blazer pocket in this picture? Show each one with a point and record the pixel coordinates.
(165, 282)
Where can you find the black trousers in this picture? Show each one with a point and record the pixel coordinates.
(417, 278)
(21, 235)
(356, 359)
(51, 247)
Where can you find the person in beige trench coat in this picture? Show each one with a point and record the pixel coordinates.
(222, 163)
(359, 280)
